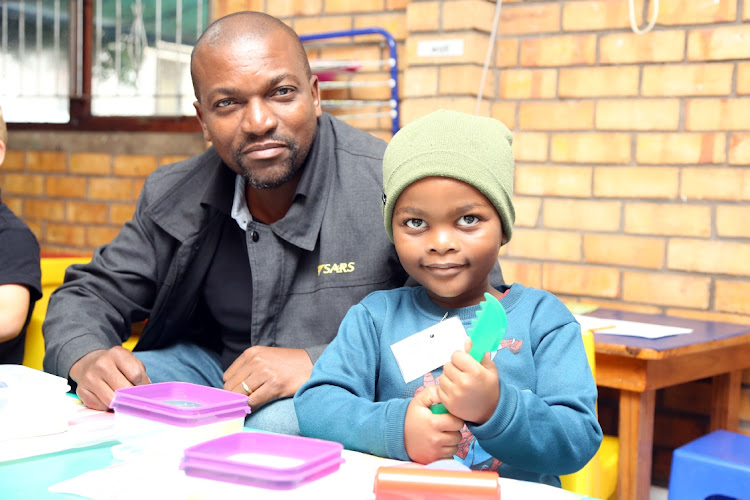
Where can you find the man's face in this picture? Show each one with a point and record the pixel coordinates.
(257, 106)
(447, 236)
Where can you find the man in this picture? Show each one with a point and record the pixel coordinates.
(244, 259)
(20, 276)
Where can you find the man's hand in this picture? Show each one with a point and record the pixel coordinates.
(99, 373)
(469, 390)
(429, 437)
(270, 373)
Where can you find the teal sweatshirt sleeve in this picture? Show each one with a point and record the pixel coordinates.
(549, 424)
(338, 403)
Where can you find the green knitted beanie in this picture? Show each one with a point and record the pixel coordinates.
(472, 149)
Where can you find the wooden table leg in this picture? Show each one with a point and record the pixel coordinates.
(636, 435)
(725, 401)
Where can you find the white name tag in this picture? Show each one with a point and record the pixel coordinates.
(429, 349)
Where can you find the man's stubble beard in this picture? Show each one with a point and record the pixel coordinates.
(291, 167)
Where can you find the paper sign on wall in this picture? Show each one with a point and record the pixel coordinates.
(440, 48)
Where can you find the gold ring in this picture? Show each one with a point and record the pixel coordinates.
(247, 389)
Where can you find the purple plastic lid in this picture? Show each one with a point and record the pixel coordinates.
(180, 403)
(267, 460)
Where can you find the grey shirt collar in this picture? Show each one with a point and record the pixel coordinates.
(301, 224)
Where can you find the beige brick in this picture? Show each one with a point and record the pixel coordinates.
(475, 46)
(636, 182)
(65, 187)
(381, 92)
(46, 210)
(396, 4)
(530, 146)
(506, 52)
(733, 296)
(134, 165)
(85, 212)
(599, 82)
(65, 234)
(707, 256)
(22, 184)
(562, 50)
(526, 273)
(169, 159)
(90, 163)
(739, 149)
(423, 16)
(14, 161)
(411, 109)
(666, 290)
(223, 7)
(597, 16)
(545, 245)
(557, 180)
(16, 205)
(464, 79)
(680, 148)
(120, 213)
(420, 81)
(347, 6)
(46, 161)
(505, 112)
(557, 115)
(290, 8)
(732, 221)
(679, 12)
(717, 114)
(591, 148)
(573, 279)
(467, 15)
(583, 215)
(727, 184)
(731, 42)
(528, 84)
(638, 114)
(664, 219)
(113, 189)
(137, 187)
(624, 251)
(528, 18)
(348, 52)
(653, 47)
(527, 211)
(743, 78)
(97, 236)
(393, 22)
(687, 79)
(318, 24)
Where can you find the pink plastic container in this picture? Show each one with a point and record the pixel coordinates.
(180, 403)
(160, 420)
(265, 460)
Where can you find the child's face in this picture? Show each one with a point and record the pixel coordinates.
(447, 236)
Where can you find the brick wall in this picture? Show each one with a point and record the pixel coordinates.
(633, 151)
(76, 189)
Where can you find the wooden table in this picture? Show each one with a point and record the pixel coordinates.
(638, 367)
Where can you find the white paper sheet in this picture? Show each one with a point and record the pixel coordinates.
(85, 427)
(629, 328)
(353, 481)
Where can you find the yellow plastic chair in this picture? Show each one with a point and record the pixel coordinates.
(598, 478)
(53, 273)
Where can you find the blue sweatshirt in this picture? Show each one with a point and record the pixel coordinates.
(545, 422)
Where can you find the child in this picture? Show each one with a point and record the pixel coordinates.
(20, 276)
(527, 410)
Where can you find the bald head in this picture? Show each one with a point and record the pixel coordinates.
(244, 26)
